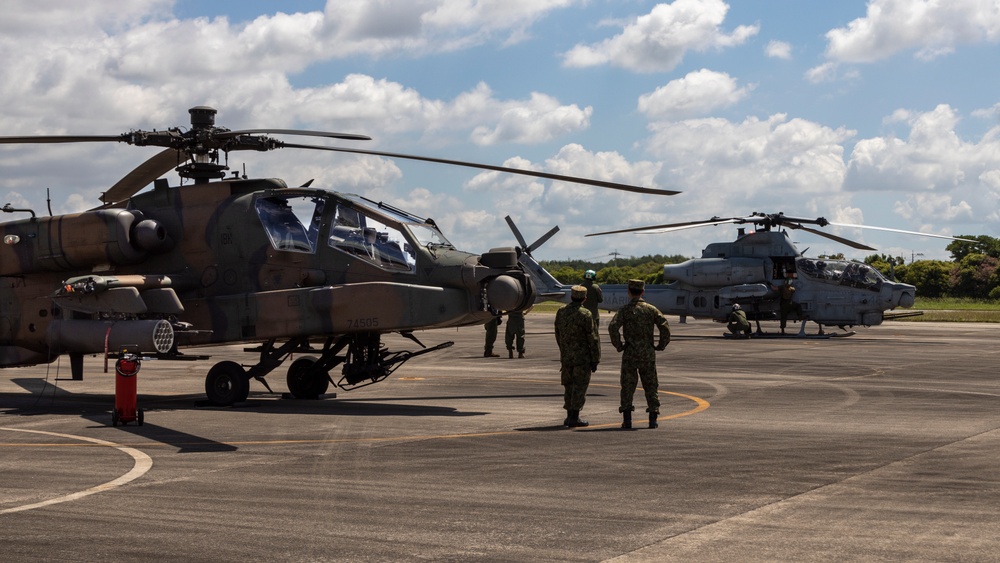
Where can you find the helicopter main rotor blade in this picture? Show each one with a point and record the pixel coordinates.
(902, 231)
(300, 132)
(656, 229)
(546, 175)
(62, 139)
(142, 176)
(841, 240)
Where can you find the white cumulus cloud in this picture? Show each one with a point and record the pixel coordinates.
(931, 27)
(697, 93)
(658, 41)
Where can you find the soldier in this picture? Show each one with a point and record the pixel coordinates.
(636, 321)
(514, 334)
(785, 293)
(738, 323)
(594, 295)
(579, 353)
(491, 337)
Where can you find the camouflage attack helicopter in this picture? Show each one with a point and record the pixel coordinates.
(223, 260)
(750, 270)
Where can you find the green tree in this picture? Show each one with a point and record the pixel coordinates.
(985, 244)
(885, 264)
(975, 275)
(931, 277)
(566, 274)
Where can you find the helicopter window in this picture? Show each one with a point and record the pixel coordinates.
(281, 219)
(372, 240)
(861, 276)
(853, 274)
(427, 235)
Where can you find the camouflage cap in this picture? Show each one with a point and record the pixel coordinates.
(578, 292)
(636, 285)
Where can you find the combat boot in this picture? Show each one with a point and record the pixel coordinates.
(510, 354)
(652, 420)
(520, 355)
(490, 354)
(627, 420)
(574, 420)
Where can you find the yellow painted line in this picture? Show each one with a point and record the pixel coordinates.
(143, 463)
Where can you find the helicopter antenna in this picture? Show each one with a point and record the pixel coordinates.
(48, 200)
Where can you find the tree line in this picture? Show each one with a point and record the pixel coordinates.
(971, 272)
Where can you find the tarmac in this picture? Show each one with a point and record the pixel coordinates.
(882, 446)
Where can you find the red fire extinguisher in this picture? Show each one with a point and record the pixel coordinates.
(126, 370)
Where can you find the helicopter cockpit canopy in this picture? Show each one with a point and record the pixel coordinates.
(281, 219)
(853, 274)
(382, 235)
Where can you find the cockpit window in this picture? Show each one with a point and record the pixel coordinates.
(370, 239)
(853, 274)
(283, 220)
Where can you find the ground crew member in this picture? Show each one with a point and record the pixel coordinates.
(579, 353)
(594, 295)
(514, 334)
(785, 293)
(636, 321)
(491, 337)
(738, 323)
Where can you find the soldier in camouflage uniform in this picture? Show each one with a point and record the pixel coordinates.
(594, 295)
(636, 321)
(579, 353)
(491, 337)
(514, 334)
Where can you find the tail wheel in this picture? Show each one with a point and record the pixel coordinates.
(227, 383)
(305, 382)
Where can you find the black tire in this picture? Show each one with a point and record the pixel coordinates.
(302, 383)
(227, 383)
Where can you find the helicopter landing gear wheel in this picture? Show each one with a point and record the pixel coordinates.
(227, 383)
(305, 382)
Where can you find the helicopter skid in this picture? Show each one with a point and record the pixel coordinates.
(823, 336)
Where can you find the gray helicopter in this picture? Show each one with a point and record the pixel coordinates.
(751, 271)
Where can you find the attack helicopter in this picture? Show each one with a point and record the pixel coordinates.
(750, 271)
(220, 260)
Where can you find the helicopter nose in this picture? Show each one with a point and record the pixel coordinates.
(904, 295)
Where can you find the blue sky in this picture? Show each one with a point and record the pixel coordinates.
(882, 113)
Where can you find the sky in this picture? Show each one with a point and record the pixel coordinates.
(882, 113)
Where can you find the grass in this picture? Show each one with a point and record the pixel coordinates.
(943, 309)
(955, 309)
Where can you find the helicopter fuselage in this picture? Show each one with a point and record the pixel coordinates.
(749, 271)
(237, 261)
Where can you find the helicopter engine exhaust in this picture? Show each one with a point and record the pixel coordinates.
(95, 337)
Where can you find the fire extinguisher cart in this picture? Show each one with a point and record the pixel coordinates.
(126, 373)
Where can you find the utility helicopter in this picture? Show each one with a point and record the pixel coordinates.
(235, 260)
(751, 270)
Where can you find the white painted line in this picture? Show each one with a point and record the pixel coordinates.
(143, 463)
